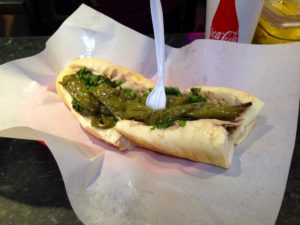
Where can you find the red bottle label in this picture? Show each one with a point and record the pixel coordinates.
(229, 35)
(225, 25)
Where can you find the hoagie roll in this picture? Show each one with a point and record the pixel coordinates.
(200, 124)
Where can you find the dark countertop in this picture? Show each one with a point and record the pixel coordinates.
(43, 200)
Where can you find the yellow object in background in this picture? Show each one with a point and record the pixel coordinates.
(279, 22)
(8, 24)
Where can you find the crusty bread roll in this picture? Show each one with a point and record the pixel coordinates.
(206, 140)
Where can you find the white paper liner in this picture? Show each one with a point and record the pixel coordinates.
(142, 187)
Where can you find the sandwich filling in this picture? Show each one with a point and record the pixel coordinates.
(106, 101)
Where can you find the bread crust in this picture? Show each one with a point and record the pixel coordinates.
(100, 66)
(204, 140)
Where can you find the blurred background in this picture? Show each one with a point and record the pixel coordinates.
(279, 21)
(43, 17)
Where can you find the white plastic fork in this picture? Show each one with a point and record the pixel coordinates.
(157, 97)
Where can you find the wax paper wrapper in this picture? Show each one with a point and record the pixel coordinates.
(142, 187)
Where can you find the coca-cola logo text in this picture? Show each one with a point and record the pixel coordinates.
(224, 36)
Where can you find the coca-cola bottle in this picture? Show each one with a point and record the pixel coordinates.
(225, 24)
